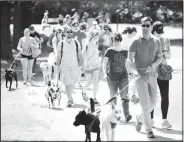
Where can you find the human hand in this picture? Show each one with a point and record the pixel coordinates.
(20, 50)
(149, 69)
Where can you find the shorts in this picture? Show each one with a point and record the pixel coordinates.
(28, 57)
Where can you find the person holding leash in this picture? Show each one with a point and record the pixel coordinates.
(117, 75)
(146, 52)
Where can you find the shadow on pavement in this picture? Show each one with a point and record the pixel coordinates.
(159, 138)
(127, 123)
(79, 106)
(169, 131)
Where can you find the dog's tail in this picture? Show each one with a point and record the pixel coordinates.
(92, 105)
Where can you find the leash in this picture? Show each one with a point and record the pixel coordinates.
(14, 60)
(111, 99)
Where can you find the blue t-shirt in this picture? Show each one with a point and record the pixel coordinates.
(117, 69)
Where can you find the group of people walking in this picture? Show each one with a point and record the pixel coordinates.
(117, 58)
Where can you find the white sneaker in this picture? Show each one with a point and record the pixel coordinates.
(29, 83)
(165, 124)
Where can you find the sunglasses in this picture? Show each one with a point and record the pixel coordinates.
(147, 26)
(69, 32)
(106, 29)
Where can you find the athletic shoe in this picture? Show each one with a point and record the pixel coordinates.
(69, 104)
(150, 134)
(165, 124)
(138, 124)
(128, 117)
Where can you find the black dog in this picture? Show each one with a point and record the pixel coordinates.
(9, 75)
(90, 121)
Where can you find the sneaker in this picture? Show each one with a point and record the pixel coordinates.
(25, 83)
(29, 83)
(150, 134)
(134, 99)
(128, 117)
(138, 124)
(79, 85)
(85, 96)
(95, 100)
(165, 124)
(69, 104)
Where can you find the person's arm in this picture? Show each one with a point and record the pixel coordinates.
(54, 43)
(131, 55)
(19, 47)
(58, 55)
(158, 59)
(105, 61)
(167, 53)
(35, 43)
(80, 53)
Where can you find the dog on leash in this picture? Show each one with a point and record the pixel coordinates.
(9, 75)
(46, 71)
(53, 93)
(90, 121)
(46, 67)
(110, 115)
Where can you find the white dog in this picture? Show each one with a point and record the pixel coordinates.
(46, 68)
(110, 116)
(47, 71)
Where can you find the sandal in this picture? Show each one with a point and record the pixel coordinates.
(85, 96)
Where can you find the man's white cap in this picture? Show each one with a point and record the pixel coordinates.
(95, 23)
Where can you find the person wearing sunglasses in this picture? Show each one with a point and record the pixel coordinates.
(145, 51)
(68, 53)
(117, 75)
(163, 82)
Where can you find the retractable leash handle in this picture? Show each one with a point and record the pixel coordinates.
(14, 60)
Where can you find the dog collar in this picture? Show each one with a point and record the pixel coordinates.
(113, 125)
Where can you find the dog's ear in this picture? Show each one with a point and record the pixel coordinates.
(83, 112)
(113, 105)
(6, 70)
(49, 83)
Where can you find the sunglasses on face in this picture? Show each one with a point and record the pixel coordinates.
(147, 26)
(69, 32)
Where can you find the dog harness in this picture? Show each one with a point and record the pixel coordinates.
(89, 127)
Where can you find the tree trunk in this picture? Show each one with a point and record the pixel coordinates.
(21, 20)
(17, 25)
(6, 52)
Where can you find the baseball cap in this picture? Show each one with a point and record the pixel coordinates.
(158, 27)
(95, 23)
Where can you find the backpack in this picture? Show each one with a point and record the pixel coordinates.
(79, 57)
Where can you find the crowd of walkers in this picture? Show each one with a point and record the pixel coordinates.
(99, 54)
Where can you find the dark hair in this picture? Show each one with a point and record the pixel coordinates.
(147, 19)
(158, 27)
(107, 26)
(118, 37)
(31, 28)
